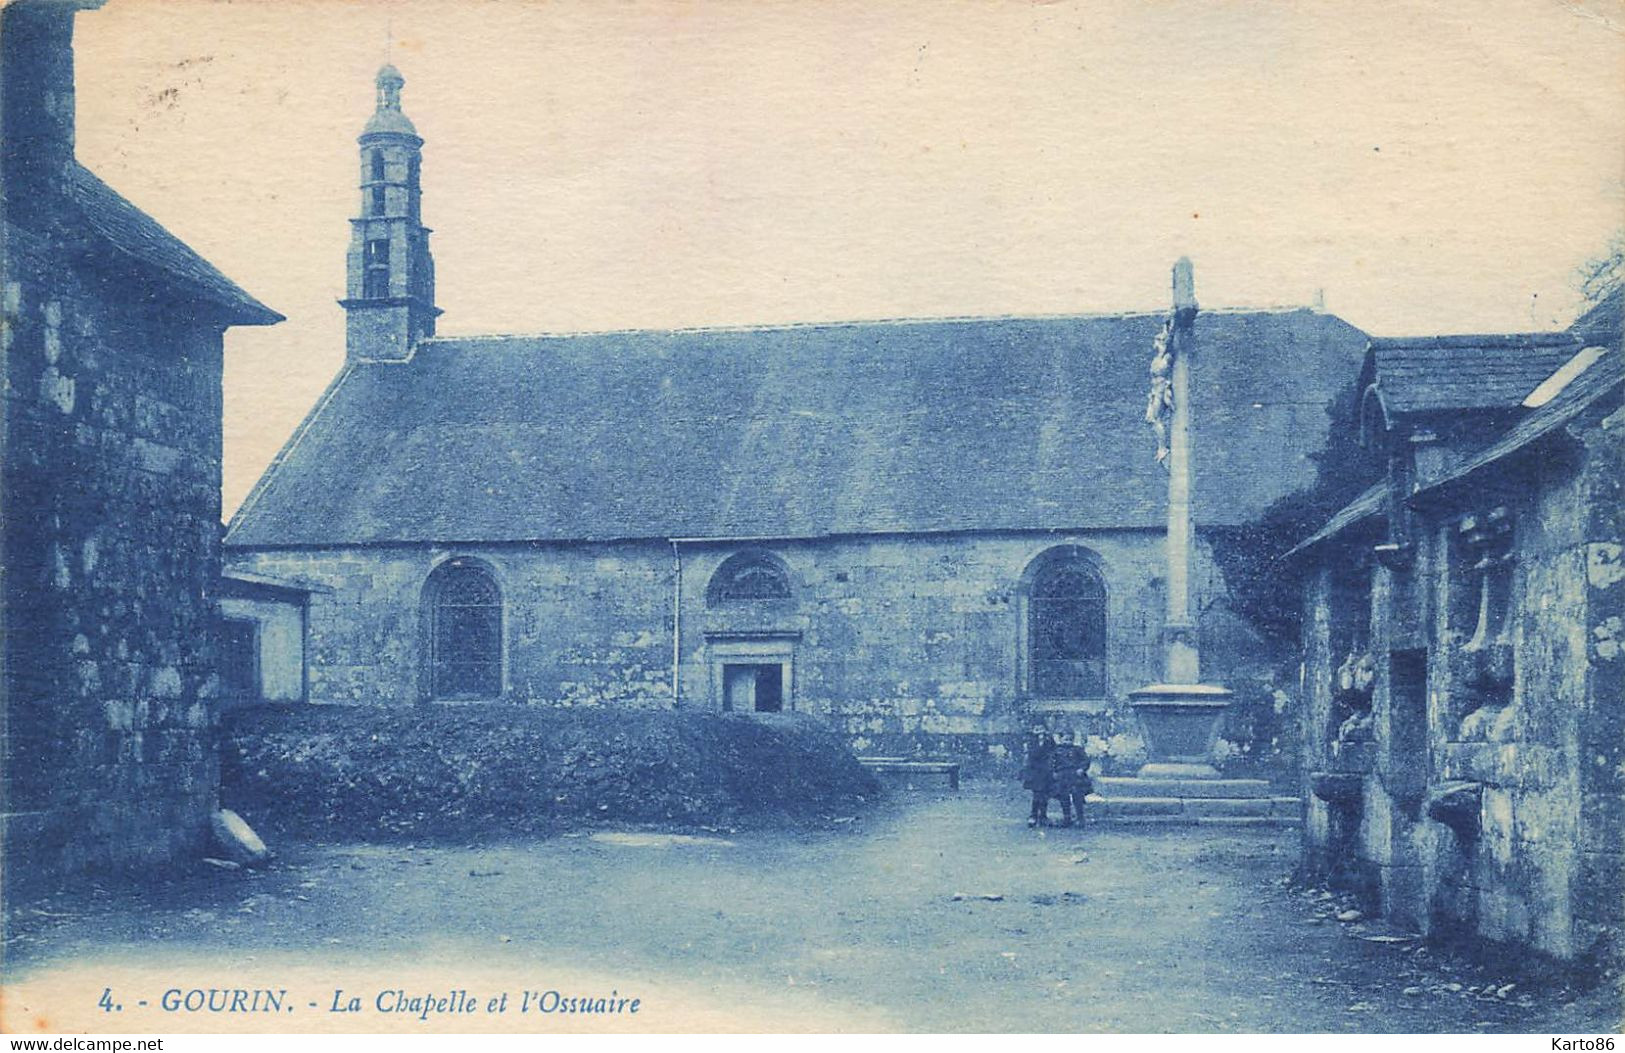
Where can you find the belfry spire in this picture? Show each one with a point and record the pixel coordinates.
(390, 284)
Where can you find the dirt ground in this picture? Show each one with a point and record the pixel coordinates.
(936, 912)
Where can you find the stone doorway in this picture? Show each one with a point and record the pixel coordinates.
(752, 672)
(753, 688)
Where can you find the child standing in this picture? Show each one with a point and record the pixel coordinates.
(1069, 778)
(1036, 776)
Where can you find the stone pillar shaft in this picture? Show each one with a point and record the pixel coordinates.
(1181, 661)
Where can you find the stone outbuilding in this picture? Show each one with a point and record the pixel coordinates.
(263, 625)
(932, 532)
(1462, 667)
(112, 343)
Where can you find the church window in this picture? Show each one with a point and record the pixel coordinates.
(377, 269)
(377, 166)
(749, 576)
(376, 201)
(465, 632)
(1066, 627)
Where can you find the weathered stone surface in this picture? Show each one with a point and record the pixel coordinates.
(908, 644)
(111, 497)
(1519, 838)
(236, 840)
(1337, 787)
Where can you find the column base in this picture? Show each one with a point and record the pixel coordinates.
(1181, 724)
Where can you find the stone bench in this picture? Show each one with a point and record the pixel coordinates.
(906, 765)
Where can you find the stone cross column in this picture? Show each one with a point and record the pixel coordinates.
(1180, 716)
(1181, 662)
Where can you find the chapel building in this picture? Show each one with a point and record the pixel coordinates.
(932, 532)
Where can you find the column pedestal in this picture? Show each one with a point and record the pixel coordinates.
(1181, 725)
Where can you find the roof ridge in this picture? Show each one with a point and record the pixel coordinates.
(760, 327)
(1455, 341)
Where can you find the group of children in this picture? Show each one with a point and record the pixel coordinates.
(1059, 768)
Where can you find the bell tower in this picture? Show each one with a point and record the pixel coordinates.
(389, 293)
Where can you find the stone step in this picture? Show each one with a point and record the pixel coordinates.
(1273, 821)
(1195, 807)
(1117, 786)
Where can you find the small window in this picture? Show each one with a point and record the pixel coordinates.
(465, 632)
(378, 166)
(376, 198)
(376, 274)
(749, 576)
(240, 658)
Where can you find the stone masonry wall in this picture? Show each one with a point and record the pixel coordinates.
(908, 644)
(1541, 863)
(111, 549)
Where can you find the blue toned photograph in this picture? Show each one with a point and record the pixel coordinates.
(932, 518)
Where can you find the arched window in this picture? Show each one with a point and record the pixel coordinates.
(1066, 627)
(748, 576)
(465, 632)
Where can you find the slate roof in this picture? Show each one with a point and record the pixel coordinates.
(136, 235)
(799, 431)
(1368, 505)
(1444, 373)
(1603, 379)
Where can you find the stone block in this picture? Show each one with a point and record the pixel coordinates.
(1602, 822)
(1469, 761)
(236, 840)
(1219, 806)
(1457, 905)
(1545, 818)
(1496, 814)
(1503, 915)
(1292, 807)
(1128, 787)
(1599, 887)
(1404, 895)
(1316, 825)
(1140, 806)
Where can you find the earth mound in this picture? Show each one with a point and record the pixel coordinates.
(453, 771)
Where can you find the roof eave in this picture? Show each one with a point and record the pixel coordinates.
(1357, 513)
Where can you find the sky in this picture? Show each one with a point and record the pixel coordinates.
(1421, 167)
